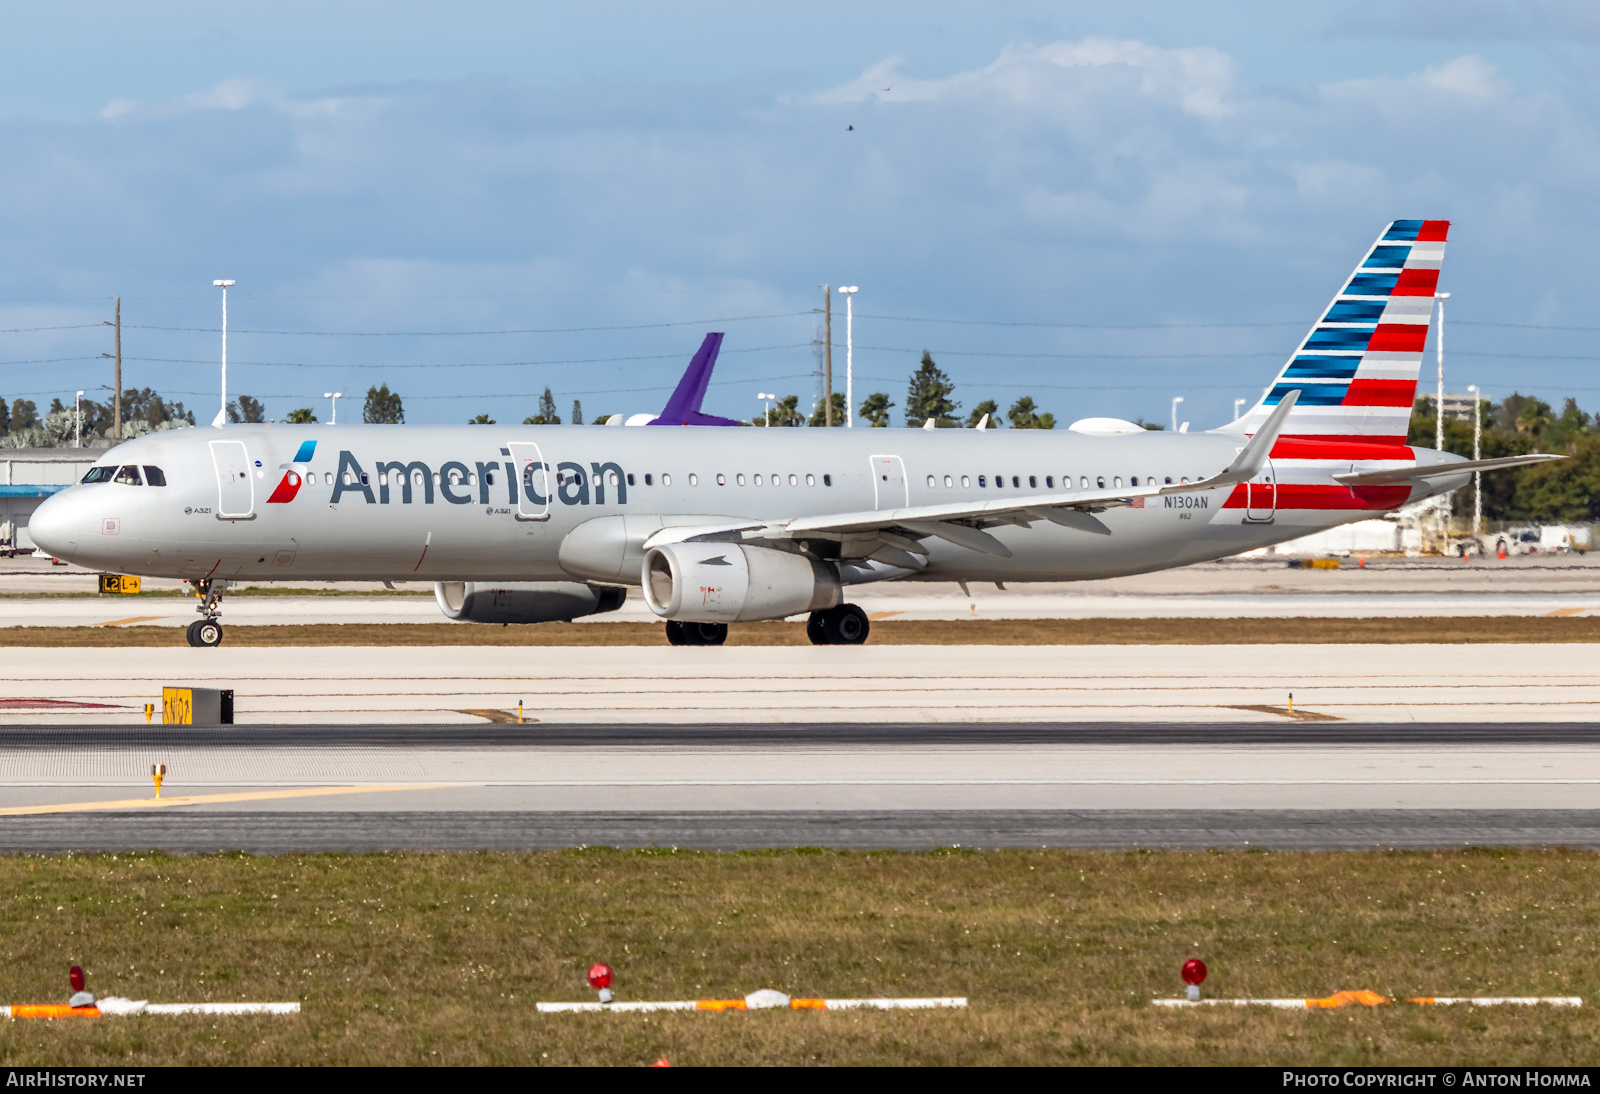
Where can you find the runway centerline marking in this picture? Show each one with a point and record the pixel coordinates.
(207, 799)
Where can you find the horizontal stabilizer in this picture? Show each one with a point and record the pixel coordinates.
(1440, 470)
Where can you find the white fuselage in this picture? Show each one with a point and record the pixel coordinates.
(425, 503)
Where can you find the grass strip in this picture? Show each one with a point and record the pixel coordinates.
(960, 632)
(419, 958)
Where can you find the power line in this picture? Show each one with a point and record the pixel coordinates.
(467, 333)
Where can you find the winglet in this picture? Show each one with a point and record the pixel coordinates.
(684, 406)
(1249, 462)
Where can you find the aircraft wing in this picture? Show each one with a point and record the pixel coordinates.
(1439, 470)
(892, 536)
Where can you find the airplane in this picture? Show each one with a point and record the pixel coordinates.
(714, 525)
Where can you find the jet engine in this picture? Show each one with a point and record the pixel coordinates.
(524, 601)
(733, 583)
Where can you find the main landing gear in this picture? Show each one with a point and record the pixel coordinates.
(696, 634)
(844, 625)
(207, 630)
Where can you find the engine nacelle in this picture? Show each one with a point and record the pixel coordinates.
(733, 583)
(524, 601)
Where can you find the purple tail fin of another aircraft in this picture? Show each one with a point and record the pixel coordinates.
(684, 406)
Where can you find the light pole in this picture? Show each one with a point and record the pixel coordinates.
(1438, 408)
(1477, 452)
(768, 398)
(333, 398)
(1176, 400)
(849, 294)
(1238, 404)
(77, 422)
(222, 415)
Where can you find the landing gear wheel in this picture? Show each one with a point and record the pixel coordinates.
(696, 634)
(205, 632)
(845, 625)
(816, 628)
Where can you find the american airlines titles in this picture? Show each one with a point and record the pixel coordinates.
(574, 484)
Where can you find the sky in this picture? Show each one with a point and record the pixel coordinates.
(1104, 207)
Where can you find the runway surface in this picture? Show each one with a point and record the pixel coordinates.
(894, 785)
(1480, 682)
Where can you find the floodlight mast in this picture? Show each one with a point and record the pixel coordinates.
(849, 293)
(222, 415)
(1477, 453)
(333, 397)
(1175, 401)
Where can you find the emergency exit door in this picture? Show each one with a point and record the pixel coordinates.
(1261, 496)
(532, 480)
(889, 483)
(236, 486)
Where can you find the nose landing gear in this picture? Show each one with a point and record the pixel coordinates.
(207, 630)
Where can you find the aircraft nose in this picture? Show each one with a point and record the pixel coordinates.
(57, 525)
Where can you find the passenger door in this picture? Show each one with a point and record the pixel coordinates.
(533, 478)
(889, 483)
(236, 487)
(1261, 496)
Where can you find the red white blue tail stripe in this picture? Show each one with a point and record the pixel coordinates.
(1357, 369)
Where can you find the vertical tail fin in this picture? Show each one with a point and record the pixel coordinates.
(1357, 369)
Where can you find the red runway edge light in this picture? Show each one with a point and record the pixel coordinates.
(600, 980)
(75, 978)
(1194, 974)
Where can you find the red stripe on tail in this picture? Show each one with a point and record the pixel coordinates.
(1381, 393)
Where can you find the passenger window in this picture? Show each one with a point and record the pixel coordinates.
(349, 479)
(435, 478)
(983, 481)
(1033, 482)
(472, 478)
(758, 480)
(948, 482)
(1016, 480)
(1050, 482)
(777, 480)
(999, 482)
(794, 480)
(694, 480)
(99, 474)
(488, 478)
(966, 483)
(932, 482)
(1133, 481)
(1168, 480)
(827, 480)
(129, 476)
(1183, 479)
(1100, 481)
(383, 478)
(647, 479)
(1117, 481)
(630, 478)
(154, 476)
(811, 480)
(722, 480)
(364, 481)
(739, 478)
(594, 478)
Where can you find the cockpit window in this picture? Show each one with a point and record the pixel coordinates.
(154, 476)
(99, 474)
(129, 475)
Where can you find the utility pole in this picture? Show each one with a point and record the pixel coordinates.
(116, 391)
(1477, 453)
(116, 381)
(1438, 427)
(849, 355)
(222, 415)
(827, 356)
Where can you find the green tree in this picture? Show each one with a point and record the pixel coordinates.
(577, 412)
(547, 411)
(247, 410)
(24, 415)
(383, 407)
(989, 407)
(875, 409)
(482, 419)
(785, 412)
(5, 417)
(1024, 415)
(819, 417)
(1534, 418)
(928, 396)
(303, 416)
